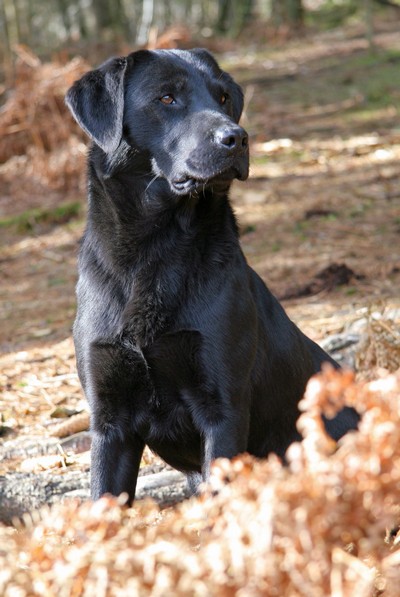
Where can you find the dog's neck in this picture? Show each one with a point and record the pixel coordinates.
(176, 238)
(155, 222)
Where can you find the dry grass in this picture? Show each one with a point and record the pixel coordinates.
(41, 148)
(316, 528)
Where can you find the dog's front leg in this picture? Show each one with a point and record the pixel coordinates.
(117, 381)
(224, 439)
(115, 464)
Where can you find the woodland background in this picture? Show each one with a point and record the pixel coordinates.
(319, 220)
(47, 26)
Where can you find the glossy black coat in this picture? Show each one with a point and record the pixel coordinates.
(179, 343)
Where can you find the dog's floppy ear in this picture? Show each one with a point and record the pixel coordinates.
(97, 103)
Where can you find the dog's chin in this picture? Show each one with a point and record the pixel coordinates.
(189, 184)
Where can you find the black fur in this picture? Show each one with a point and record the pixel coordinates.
(179, 343)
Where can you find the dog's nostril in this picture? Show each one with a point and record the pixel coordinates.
(229, 141)
(232, 138)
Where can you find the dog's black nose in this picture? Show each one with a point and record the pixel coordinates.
(233, 138)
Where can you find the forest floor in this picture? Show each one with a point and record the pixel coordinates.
(323, 196)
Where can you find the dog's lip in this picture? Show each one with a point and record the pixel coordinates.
(186, 183)
(189, 183)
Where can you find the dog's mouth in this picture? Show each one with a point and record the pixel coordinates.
(190, 184)
(187, 184)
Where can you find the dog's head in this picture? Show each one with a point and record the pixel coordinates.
(176, 108)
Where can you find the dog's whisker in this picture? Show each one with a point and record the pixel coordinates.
(152, 180)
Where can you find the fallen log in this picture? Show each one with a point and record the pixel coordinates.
(24, 492)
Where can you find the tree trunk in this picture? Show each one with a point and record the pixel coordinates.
(369, 23)
(147, 20)
(295, 12)
(223, 15)
(103, 15)
(11, 19)
(287, 12)
(63, 10)
(5, 35)
(243, 10)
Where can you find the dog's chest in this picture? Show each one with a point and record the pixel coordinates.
(144, 316)
(167, 419)
(170, 420)
(156, 293)
(177, 418)
(171, 433)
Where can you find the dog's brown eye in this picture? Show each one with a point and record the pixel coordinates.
(223, 99)
(167, 99)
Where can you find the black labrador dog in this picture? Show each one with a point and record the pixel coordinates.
(179, 343)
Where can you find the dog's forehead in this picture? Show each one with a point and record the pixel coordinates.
(176, 67)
